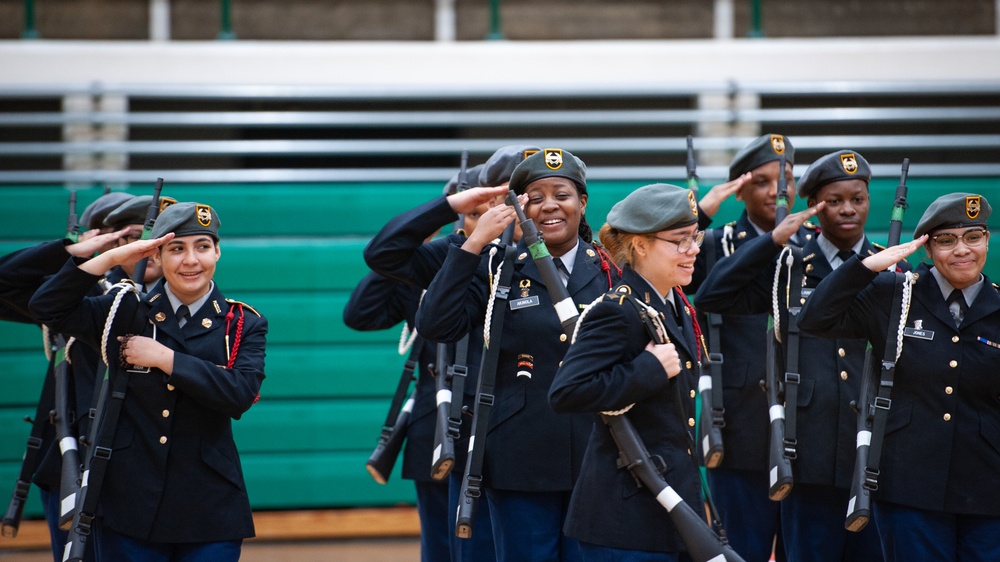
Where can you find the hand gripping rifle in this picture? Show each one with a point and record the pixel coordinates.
(147, 228)
(472, 480)
(450, 372)
(864, 480)
(390, 439)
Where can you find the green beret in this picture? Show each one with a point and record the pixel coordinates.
(954, 210)
(95, 213)
(134, 210)
(764, 149)
(836, 166)
(653, 208)
(498, 169)
(471, 176)
(549, 163)
(187, 219)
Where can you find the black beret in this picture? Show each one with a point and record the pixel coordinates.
(653, 208)
(95, 213)
(549, 163)
(954, 210)
(134, 210)
(836, 166)
(498, 169)
(764, 149)
(187, 219)
(471, 176)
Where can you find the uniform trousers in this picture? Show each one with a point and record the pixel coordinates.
(597, 553)
(115, 547)
(527, 526)
(432, 508)
(479, 547)
(751, 520)
(50, 505)
(812, 527)
(909, 533)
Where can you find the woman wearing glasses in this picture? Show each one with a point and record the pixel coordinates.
(938, 497)
(615, 364)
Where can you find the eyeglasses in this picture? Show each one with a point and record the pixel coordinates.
(684, 244)
(971, 238)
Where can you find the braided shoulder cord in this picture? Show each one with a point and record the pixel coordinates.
(784, 256)
(494, 281)
(69, 343)
(46, 343)
(123, 288)
(727, 240)
(406, 338)
(699, 337)
(907, 294)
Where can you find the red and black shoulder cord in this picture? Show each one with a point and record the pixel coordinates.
(698, 338)
(606, 264)
(237, 336)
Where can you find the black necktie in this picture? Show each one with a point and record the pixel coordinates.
(562, 269)
(845, 255)
(958, 314)
(182, 315)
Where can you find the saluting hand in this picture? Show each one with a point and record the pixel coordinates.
(893, 255)
(491, 224)
(92, 241)
(784, 231)
(464, 202)
(129, 253)
(667, 354)
(712, 200)
(147, 352)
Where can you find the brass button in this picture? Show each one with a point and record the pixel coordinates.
(163, 440)
(947, 417)
(692, 394)
(953, 363)
(691, 422)
(170, 387)
(166, 413)
(948, 390)
(841, 352)
(689, 452)
(560, 363)
(687, 365)
(954, 339)
(562, 337)
(843, 375)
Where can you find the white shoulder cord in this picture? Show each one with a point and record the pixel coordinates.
(727, 240)
(494, 281)
(784, 256)
(405, 338)
(123, 289)
(907, 293)
(46, 343)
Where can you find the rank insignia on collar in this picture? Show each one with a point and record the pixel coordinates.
(849, 162)
(160, 317)
(154, 297)
(522, 256)
(206, 322)
(216, 305)
(591, 253)
(972, 206)
(646, 295)
(525, 284)
(553, 158)
(778, 144)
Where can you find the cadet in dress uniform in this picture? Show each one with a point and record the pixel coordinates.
(938, 497)
(378, 303)
(174, 486)
(614, 364)
(532, 455)
(739, 485)
(812, 515)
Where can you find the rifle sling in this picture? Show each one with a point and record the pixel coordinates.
(715, 358)
(458, 372)
(882, 402)
(792, 376)
(409, 367)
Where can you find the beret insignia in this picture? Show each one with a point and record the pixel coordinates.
(529, 152)
(693, 203)
(972, 206)
(849, 163)
(204, 215)
(166, 202)
(778, 144)
(553, 158)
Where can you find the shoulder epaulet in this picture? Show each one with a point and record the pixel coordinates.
(233, 301)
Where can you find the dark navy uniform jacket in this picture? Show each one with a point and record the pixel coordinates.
(378, 303)
(608, 369)
(21, 273)
(174, 474)
(942, 440)
(528, 446)
(831, 369)
(745, 434)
